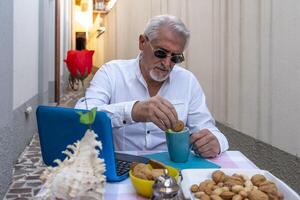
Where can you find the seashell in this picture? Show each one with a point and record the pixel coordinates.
(79, 176)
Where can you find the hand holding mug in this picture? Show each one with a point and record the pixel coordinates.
(205, 143)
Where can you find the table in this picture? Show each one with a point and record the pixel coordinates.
(125, 191)
(29, 166)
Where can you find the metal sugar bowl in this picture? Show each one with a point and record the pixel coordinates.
(165, 187)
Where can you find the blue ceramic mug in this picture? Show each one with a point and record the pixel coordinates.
(178, 145)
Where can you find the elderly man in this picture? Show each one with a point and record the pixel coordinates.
(147, 95)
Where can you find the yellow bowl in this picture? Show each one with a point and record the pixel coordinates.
(144, 187)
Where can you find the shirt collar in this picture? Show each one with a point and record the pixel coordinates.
(138, 72)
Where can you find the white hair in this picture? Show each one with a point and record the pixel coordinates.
(174, 23)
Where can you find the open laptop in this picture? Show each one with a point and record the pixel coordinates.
(58, 127)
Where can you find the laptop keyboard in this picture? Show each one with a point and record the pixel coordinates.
(123, 162)
(122, 167)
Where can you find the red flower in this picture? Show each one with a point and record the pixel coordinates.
(79, 63)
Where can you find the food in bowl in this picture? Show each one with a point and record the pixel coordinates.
(236, 187)
(143, 181)
(142, 171)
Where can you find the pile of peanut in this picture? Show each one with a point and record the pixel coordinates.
(236, 187)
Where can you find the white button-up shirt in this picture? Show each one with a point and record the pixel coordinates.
(118, 84)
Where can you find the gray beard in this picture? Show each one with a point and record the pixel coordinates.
(156, 78)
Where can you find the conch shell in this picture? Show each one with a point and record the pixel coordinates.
(79, 176)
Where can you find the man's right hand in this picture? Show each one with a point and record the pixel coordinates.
(157, 110)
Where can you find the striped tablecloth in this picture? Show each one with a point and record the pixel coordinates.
(125, 191)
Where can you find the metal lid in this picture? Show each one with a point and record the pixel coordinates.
(165, 187)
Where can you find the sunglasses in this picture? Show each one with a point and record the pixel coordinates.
(162, 54)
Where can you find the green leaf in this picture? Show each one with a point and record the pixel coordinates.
(88, 118)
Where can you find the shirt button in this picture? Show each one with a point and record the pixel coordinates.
(124, 122)
(148, 132)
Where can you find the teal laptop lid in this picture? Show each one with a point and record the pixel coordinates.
(58, 127)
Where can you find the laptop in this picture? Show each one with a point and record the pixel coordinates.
(58, 127)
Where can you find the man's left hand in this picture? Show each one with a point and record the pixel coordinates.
(205, 143)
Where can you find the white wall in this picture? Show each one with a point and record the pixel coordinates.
(26, 37)
(285, 74)
(65, 34)
(257, 70)
(244, 53)
(46, 48)
(20, 38)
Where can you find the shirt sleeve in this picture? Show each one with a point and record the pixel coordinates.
(199, 116)
(98, 95)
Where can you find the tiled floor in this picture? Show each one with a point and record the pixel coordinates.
(26, 173)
